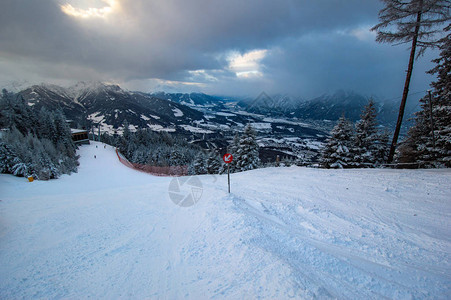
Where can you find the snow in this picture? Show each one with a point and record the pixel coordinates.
(108, 128)
(73, 130)
(195, 129)
(312, 144)
(275, 120)
(157, 127)
(245, 113)
(224, 114)
(177, 112)
(261, 126)
(112, 232)
(96, 117)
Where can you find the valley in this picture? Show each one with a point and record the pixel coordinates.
(287, 127)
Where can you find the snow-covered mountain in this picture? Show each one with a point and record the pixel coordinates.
(325, 107)
(109, 106)
(53, 97)
(191, 99)
(275, 105)
(332, 106)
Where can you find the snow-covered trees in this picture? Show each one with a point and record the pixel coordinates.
(337, 152)
(361, 146)
(415, 21)
(420, 146)
(247, 151)
(441, 102)
(213, 164)
(198, 166)
(34, 143)
(27, 155)
(233, 149)
(155, 149)
(370, 146)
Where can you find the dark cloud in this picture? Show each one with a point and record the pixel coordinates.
(328, 62)
(312, 45)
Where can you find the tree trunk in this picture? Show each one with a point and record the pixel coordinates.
(406, 86)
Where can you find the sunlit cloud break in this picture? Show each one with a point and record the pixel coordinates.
(247, 65)
(90, 12)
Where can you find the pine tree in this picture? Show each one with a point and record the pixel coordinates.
(213, 164)
(7, 157)
(370, 146)
(198, 166)
(177, 158)
(441, 102)
(337, 152)
(416, 21)
(419, 146)
(247, 152)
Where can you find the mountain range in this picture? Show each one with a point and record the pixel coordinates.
(325, 107)
(286, 125)
(110, 106)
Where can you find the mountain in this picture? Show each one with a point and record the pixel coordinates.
(110, 106)
(331, 107)
(53, 97)
(270, 105)
(190, 99)
(327, 107)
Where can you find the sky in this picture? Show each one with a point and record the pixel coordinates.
(233, 48)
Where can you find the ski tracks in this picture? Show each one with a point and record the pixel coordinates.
(342, 249)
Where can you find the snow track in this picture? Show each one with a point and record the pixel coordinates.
(112, 232)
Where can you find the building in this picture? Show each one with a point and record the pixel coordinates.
(80, 136)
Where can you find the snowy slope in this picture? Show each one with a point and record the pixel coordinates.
(111, 232)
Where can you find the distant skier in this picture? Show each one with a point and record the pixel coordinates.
(95, 156)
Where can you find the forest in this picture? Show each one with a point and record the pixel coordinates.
(34, 143)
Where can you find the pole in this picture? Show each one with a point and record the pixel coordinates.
(99, 132)
(432, 119)
(406, 86)
(228, 175)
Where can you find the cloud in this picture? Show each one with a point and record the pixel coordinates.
(215, 46)
(324, 63)
(91, 12)
(247, 65)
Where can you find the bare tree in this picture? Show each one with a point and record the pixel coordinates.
(411, 21)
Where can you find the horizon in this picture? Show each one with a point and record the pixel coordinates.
(19, 87)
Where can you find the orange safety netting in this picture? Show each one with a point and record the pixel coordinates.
(154, 170)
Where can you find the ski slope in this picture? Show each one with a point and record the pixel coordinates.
(110, 232)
